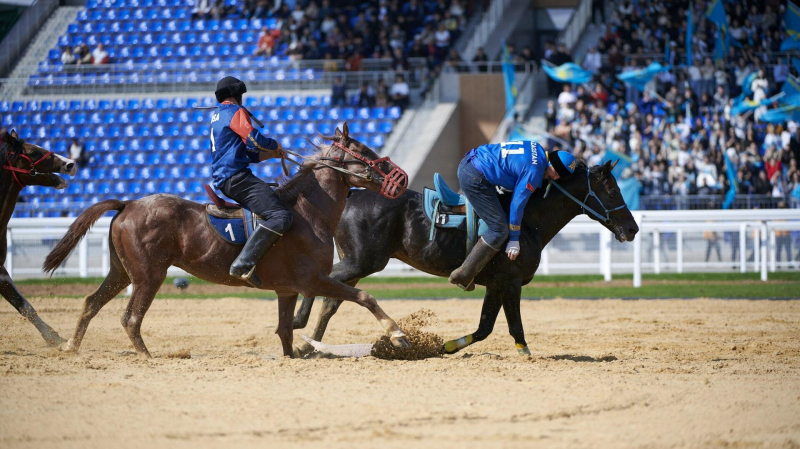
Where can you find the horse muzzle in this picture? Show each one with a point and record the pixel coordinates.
(395, 183)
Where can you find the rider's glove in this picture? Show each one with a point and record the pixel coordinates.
(512, 249)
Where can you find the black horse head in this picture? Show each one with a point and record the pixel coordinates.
(30, 164)
(597, 188)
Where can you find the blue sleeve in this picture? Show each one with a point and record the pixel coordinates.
(258, 143)
(522, 191)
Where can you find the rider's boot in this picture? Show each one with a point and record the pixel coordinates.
(480, 255)
(257, 245)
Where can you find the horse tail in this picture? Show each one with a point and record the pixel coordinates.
(77, 231)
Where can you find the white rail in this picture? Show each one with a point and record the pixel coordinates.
(583, 246)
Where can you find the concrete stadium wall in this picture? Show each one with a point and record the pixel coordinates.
(482, 108)
(443, 157)
(15, 42)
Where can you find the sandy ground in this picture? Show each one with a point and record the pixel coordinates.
(655, 373)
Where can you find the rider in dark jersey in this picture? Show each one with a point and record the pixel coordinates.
(235, 144)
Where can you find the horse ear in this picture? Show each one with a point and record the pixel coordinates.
(14, 134)
(338, 134)
(608, 167)
(345, 131)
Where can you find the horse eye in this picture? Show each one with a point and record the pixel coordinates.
(612, 193)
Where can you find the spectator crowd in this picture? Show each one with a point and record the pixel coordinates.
(678, 131)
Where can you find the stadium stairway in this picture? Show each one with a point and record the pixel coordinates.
(37, 51)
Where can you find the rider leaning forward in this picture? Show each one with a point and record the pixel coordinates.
(519, 166)
(234, 145)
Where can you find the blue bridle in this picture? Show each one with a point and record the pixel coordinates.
(607, 211)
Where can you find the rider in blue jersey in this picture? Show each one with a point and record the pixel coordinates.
(235, 144)
(518, 166)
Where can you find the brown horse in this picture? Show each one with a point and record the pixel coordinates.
(150, 234)
(26, 164)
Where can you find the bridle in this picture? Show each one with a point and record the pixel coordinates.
(29, 171)
(591, 194)
(394, 183)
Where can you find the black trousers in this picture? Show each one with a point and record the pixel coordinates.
(256, 195)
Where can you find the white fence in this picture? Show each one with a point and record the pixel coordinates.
(668, 241)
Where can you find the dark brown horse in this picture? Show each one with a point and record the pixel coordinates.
(26, 164)
(373, 230)
(150, 234)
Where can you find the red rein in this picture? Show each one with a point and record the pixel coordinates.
(30, 171)
(394, 183)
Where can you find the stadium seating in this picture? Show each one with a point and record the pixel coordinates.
(141, 146)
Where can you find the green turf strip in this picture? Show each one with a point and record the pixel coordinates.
(787, 287)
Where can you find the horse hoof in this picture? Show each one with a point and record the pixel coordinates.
(302, 351)
(523, 350)
(399, 340)
(68, 347)
(54, 340)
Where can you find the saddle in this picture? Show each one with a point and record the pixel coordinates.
(232, 222)
(446, 209)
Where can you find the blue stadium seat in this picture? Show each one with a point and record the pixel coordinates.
(169, 158)
(46, 106)
(150, 187)
(114, 172)
(371, 127)
(355, 128)
(50, 119)
(385, 127)
(173, 131)
(146, 173)
(394, 113)
(129, 173)
(174, 173)
(178, 144)
(376, 142)
(99, 173)
(153, 159)
(194, 144)
(139, 159)
(205, 172)
(124, 159)
(133, 187)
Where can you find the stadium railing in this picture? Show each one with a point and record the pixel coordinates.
(667, 241)
(571, 34)
(705, 202)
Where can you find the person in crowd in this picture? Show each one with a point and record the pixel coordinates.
(338, 92)
(366, 95)
(77, 154)
(67, 58)
(202, 9)
(593, 61)
(481, 58)
(399, 92)
(265, 44)
(100, 55)
(83, 54)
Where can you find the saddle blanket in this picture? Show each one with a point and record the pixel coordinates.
(444, 207)
(233, 224)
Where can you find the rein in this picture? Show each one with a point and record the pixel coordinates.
(30, 171)
(584, 206)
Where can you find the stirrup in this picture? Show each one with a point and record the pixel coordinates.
(251, 278)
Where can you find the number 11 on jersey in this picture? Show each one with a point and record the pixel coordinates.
(512, 147)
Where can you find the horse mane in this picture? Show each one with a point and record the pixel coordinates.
(290, 189)
(8, 154)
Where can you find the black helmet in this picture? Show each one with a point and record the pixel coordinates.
(229, 87)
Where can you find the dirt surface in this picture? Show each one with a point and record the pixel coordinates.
(655, 373)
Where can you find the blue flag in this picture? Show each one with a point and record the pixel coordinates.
(689, 32)
(640, 78)
(567, 73)
(792, 20)
(509, 78)
(782, 114)
(716, 14)
(720, 47)
(745, 106)
(731, 194)
(629, 187)
(747, 85)
(791, 87)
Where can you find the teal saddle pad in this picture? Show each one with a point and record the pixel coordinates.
(438, 205)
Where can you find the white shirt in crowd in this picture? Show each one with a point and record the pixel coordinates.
(593, 61)
(442, 38)
(99, 56)
(567, 98)
(400, 88)
(75, 151)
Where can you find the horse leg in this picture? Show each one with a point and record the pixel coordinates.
(144, 291)
(491, 308)
(115, 281)
(286, 304)
(511, 299)
(338, 290)
(345, 271)
(301, 318)
(13, 296)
